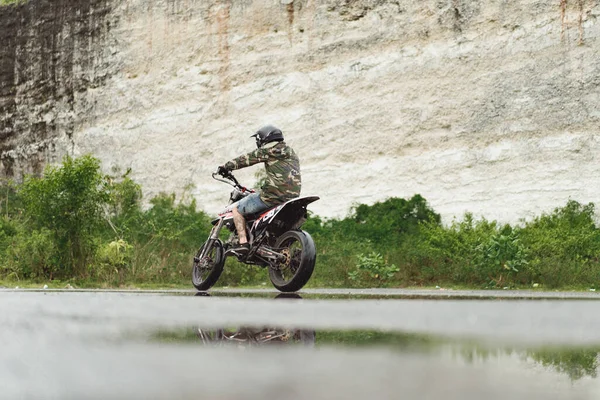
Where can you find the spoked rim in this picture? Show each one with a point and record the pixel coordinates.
(208, 336)
(292, 249)
(203, 267)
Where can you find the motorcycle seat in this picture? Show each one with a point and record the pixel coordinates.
(255, 216)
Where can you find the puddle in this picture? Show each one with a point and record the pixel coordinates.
(324, 296)
(398, 294)
(118, 345)
(572, 363)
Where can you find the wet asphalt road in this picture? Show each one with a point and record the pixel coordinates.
(63, 345)
(440, 293)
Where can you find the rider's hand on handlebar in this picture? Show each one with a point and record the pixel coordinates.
(221, 170)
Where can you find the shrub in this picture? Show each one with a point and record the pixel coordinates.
(124, 203)
(452, 250)
(10, 203)
(67, 202)
(75, 222)
(564, 246)
(396, 214)
(501, 256)
(165, 238)
(375, 266)
(30, 255)
(114, 259)
(387, 222)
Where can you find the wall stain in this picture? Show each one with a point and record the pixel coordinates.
(222, 16)
(572, 14)
(290, 14)
(51, 50)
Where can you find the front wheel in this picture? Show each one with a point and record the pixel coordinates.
(300, 256)
(206, 271)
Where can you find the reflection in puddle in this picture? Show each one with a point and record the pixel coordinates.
(256, 336)
(574, 363)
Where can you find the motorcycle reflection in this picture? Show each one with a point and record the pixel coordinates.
(257, 336)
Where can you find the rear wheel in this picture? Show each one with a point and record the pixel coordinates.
(292, 274)
(206, 271)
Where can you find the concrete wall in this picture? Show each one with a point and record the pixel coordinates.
(484, 106)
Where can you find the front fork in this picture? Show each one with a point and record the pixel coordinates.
(214, 235)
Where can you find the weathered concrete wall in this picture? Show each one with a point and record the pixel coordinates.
(52, 53)
(484, 106)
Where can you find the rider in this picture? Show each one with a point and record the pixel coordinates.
(283, 178)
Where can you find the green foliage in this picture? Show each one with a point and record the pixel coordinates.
(576, 364)
(455, 253)
(113, 261)
(238, 274)
(386, 222)
(396, 215)
(76, 223)
(503, 250)
(30, 254)
(10, 203)
(384, 228)
(501, 255)
(67, 201)
(475, 251)
(564, 246)
(170, 220)
(569, 233)
(561, 248)
(123, 206)
(375, 266)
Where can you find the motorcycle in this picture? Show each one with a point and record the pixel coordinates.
(275, 238)
(247, 336)
(250, 336)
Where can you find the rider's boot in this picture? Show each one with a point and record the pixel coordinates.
(241, 250)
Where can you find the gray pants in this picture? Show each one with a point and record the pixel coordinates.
(251, 205)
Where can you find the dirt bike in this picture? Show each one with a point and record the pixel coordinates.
(276, 242)
(249, 336)
(246, 336)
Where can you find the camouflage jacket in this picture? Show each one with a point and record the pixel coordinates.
(283, 172)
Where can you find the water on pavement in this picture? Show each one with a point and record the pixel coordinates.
(157, 346)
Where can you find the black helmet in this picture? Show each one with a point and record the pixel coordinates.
(267, 134)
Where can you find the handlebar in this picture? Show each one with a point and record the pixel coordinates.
(232, 178)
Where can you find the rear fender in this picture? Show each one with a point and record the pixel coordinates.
(288, 213)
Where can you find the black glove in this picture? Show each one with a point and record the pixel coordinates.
(221, 170)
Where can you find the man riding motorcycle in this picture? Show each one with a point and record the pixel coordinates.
(283, 181)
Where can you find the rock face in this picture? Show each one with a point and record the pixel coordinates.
(491, 107)
(53, 52)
